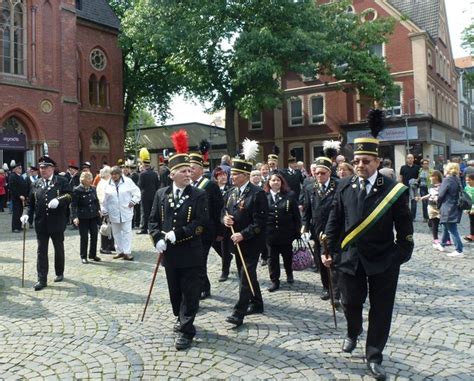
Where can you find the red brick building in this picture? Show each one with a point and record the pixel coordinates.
(425, 117)
(60, 81)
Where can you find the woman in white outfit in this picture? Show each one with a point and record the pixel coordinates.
(121, 195)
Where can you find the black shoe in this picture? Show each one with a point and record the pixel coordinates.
(377, 371)
(39, 286)
(275, 286)
(102, 251)
(235, 320)
(338, 305)
(84, 261)
(16, 231)
(205, 295)
(95, 259)
(264, 262)
(31, 226)
(223, 277)
(59, 278)
(182, 343)
(348, 345)
(253, 309)
(290, 279)
(142, 232)
(325, 295)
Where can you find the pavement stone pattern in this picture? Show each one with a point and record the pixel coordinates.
(88, 327)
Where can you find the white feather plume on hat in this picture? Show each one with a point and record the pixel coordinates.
(331, 148)
(250, 149)
(5, 166)
(12, 163)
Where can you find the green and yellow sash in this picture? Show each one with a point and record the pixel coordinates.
(203, 183)
(361, 228)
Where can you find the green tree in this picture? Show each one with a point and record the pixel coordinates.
(468, 44)
(234, 54)
(148, 81)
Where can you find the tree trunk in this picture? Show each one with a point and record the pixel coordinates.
(230, 130)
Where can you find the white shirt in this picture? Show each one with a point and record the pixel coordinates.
(273, 195)
(195, 183)
(326, 184)
(371, 182)
(175, 187)
(242, 188)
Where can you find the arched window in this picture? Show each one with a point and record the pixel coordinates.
(12, 37)
(103, 92)
(12, 126)
(93, 90)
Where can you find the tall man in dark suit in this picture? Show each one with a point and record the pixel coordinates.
(178, 218)
(317, 203)
(49, 197)
(18, 187)
(246, 210)
(293, 176)
(213, 230)
(148, 182)
(360, 233)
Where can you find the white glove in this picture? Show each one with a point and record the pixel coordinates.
(160, 246)
(170, 236)
(306, 237)
(53, 204)
(24, 219)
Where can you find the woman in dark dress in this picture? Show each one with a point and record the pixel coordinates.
(85, 215)
(283, 226)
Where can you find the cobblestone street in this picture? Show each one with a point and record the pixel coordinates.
(88, 326)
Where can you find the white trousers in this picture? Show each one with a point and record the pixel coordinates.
(122, 232)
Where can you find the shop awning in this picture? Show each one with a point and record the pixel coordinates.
(458, 147)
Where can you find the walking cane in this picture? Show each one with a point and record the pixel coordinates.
(23, 261)
(242, 260)
(152, 283)
(323, 240)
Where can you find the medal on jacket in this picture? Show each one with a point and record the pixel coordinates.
(180, 202)
(240, 200)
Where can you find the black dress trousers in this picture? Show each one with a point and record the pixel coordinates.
(42, 265)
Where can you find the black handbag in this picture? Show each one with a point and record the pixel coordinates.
(464, 200)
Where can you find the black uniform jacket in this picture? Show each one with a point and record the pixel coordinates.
(377, 250)
(148, 182)
(317, 204)
(294, 180)
(187, 219)
(50, 220)
(85, 203)
(216, 202)
(250, 211)
(283, 222)
(17, 185)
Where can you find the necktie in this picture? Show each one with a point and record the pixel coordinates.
(361, 196)
(47, 183)
(323, 188)
(177, 194)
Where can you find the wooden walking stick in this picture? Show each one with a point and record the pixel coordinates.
(242, 260)
(23, 260)
(324, 243)
(158, 261)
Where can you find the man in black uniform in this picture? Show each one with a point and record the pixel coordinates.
(360, 233)
(177, 220)
(317, 203)
(148, 182)
(246, 210)
(213, 230)
(49, 197)
(293, 177)
(18, 187)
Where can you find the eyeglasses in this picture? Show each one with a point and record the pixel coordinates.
(362, 161)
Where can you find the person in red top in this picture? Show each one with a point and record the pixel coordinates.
(3, 192)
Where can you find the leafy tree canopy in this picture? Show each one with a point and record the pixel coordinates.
(234, 54)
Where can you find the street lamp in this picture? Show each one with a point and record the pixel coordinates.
(416, 101)
(136, 134)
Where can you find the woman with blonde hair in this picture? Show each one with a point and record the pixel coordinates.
(450, 213)
(85, 215)
(107, 244)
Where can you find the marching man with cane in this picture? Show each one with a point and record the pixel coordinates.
(363, 247)
(178, 218)
(245, 213)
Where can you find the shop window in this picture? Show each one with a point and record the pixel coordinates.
(297, 151)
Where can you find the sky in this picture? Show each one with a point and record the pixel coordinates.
(460, 15)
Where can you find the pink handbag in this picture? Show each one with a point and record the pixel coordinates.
(302, 257)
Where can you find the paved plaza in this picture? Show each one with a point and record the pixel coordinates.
(88, 326)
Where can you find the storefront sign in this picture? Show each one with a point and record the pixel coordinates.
(438, 135)
(15, 142)
(389, 134)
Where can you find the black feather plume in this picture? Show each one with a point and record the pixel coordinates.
(276, 150)
(204, 146)
(293, 152)
(375, 120)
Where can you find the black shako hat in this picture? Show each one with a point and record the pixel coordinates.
(46, 161)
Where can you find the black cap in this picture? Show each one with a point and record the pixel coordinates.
(241, 165)
(15, 165)
(196, 158)
(178, 160)
(86, 164)
(292, 159)
(33, 168)
(46, 161)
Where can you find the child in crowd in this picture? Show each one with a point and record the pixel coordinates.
(470, 191)
(433, 212)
